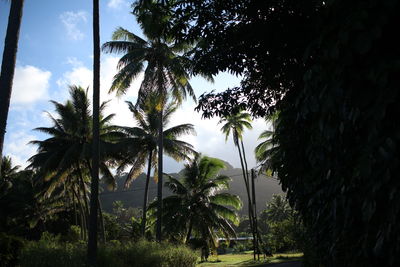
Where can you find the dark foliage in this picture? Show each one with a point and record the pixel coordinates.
(8, 65)
(338, 137)
(10, 247)
(265, 41)
(331, 68)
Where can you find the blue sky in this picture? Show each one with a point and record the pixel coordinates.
(55, 50)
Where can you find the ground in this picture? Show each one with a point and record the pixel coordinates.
(246, 259)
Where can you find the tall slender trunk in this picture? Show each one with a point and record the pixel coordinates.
(102, 228)
(94, 192)
(160, 177)
(246, 181)
(253, 211)
(83, 216)
(83, 188)
(259, 239)
(146, 193)
(255, 236)
(8, 65)
(245, 160)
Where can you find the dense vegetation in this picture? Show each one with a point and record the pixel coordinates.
(330, 68)
(49, 251)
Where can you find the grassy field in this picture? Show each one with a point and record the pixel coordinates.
(246, 259)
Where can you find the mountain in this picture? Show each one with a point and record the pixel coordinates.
(265, 187)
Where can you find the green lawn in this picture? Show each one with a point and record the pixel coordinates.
(246, 259)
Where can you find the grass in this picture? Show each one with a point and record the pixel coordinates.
(246, 259)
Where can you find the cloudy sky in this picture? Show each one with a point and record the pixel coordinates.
(55, 50)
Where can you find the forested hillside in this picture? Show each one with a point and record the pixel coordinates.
(133, 196)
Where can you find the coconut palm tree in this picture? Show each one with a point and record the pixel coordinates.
(144, 137)
(8, 65)
(64, 159)
(163, 66)
(265, 150)
(8, 170)
(278, 209)
(235, 124)
(197, 207)
(7, 173)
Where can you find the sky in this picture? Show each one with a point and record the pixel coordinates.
(55, 51)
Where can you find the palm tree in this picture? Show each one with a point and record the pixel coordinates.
(278, 209)
(94, 196)
(7, 173)
(64, 159)
(145, 136)
(164, 73)
(20, 203)
(236, 124)
(197, 206)
(265, 150)
(8, 65)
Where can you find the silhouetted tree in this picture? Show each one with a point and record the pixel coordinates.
(8, 65)
(164, 75)
(197, 206)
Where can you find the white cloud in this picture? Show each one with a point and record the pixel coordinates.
(30, 85)
(82, 76)
(116, 4)
(17, 147)
(74, 62)
(79, 75)
(72, 21)
(211, 141)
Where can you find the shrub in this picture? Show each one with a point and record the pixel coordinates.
(146, 253)
(10, 247)
(50, 252)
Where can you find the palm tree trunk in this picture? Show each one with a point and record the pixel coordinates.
(246, 182)
(103, 229)
(94, 192)
(83, 216)
(83, 188)
(146, 192)
(189, 233)
(160, 177)
(245, 176)
(8, 65)
(245, 161)
(253, 211)
(253, 207)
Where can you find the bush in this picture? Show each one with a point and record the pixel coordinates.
(145, 253)
(285, 236)
(50, 252)
(10, 247)
(242, 246)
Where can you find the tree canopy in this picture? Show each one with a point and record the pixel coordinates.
(331, 69)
